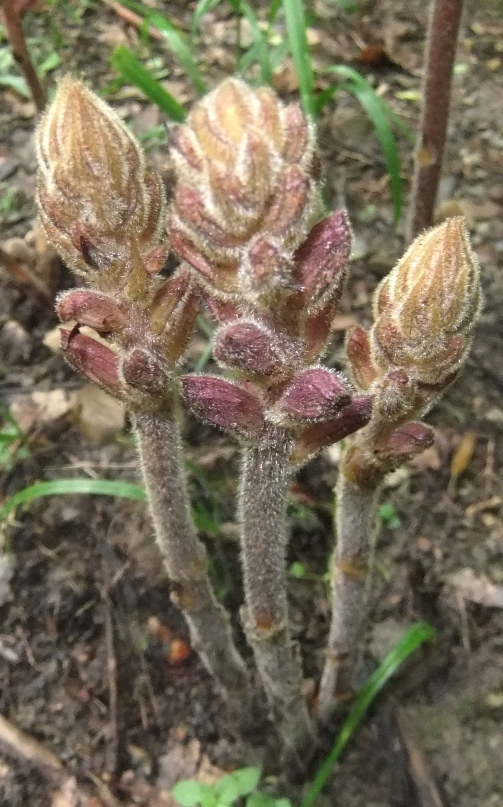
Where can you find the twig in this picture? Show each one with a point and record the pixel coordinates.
(442, 40)
(24, 747)
(419, 768)
(133, 19)
(185, 556)
(15, 35)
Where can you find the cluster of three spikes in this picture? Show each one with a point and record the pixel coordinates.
(247, 224)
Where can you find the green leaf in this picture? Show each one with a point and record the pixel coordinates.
(296, 29)
(234, 785)
(260, 800)
(50, 63)
(16, 83)
(96, 487)
(389, 516)
(260, 41)
(126, 63)
(202, 8)
(273, 11)
(175, 40)
(188, 793)
(377, 110)
(413, 638)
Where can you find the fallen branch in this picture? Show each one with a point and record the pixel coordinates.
(15, 35)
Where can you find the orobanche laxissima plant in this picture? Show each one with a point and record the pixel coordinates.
(255, 249)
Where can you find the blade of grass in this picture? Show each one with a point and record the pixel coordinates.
(202, 8)
(175, 40)
(126, 63)
(273, 11)
(58, 487)
(296, 29)
(413, 638)
(376, 109)
(260, 39)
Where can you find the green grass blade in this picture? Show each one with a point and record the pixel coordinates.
(202, 8)
(260, 48)
(414, 637)
(296, 30)
(377, 110)
(58, 487)
(175, 40)
(273, 11)
(126, 63)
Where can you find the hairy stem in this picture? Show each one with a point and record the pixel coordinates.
(264, 491)
(15, 35)
(441, 50)
(184, 555)
(355, 530)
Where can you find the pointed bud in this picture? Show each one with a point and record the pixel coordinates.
(94, 359)
(144, 371)
(321, 262)
(349, 420)
(360, 358)
(248, 347)
(223, 403)
(95, 195)
(316, 329)
(426, 308)
(173, 311)
(314, 394)
(406, 441)
(93, 309)
(246, 171)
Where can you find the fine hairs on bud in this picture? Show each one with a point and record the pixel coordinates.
(425, 311)
(103, 210)
(246, 193)
(100, 206)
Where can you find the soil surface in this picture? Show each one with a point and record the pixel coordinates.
(93, 663)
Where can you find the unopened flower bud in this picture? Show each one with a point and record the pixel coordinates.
(144, 371)
(405, 442)
(349, 420)
(223, 403)
(249, 347)
(94, 359)
(321, 262)
(426, 308)
(93, 309)
(96, 197)
(314, 394)
(246, 172)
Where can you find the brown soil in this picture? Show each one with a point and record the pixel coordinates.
(88, 585)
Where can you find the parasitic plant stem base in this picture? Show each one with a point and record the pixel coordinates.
(185, 556)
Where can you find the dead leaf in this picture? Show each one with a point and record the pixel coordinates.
(476, 589)
(461, 459)
(98, 416)
(38, 408)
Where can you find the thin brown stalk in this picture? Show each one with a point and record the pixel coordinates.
(184, 555)
(264, 491)
(15, 35)
(442, 39)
